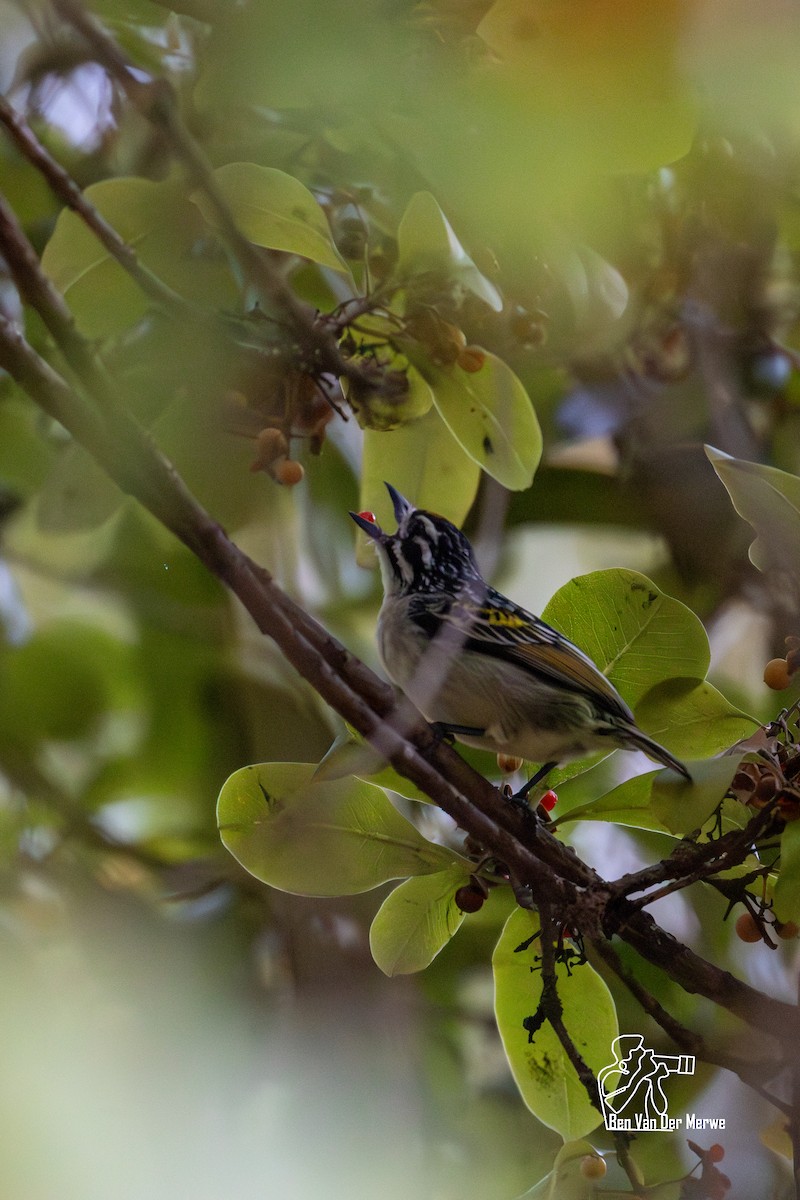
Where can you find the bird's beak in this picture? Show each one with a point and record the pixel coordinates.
(371, 527)
(402, 507)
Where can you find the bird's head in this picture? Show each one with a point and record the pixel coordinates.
(426, 554)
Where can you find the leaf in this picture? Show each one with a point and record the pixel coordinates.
(417, 920)
(544, 1075)
(350, 756)
(275, 210)
(566, 1180)
(693, 718)
(161, 226)
(319, 839)
(769, 500)
(787, 887)
(683, 807)
(626, 804)
(490, 415)
(426, 464)
(426, 243)
(635, 634)
(660, 801)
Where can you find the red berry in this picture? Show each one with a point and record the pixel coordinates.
(716, 1153)
(368, 516)
(549, 800)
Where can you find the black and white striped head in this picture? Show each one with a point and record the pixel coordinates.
(427, 554)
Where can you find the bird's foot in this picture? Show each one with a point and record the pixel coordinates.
(446, 732)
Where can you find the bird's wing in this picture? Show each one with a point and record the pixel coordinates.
(501, 629)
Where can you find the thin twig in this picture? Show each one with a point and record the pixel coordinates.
(69, 192)
(157, 100)
(686, 1039)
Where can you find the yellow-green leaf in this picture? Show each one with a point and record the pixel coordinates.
(769, 500)
(693, 719)
(490, 415)
(787, 887)
(426, 243)
(319, 838)
(417, 920)
(546, 1078)
(275, 210)
(424, 462)
(635, 634)
(161, 226)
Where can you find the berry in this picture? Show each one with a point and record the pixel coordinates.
(470, 898)
(368, 516)
(509, 763)
(716, 1153)
(593, 1166)
(786, 930)
(471, 359)
(271, 444)
(288, 472)
(748, 928)
(549, 800)
(776, 674)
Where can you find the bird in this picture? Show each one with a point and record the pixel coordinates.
(480, 667)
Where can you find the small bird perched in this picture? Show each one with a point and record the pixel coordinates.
(480, 666)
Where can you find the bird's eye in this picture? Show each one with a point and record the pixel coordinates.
(368, 516)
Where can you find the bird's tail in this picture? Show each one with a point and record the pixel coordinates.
(640, 741)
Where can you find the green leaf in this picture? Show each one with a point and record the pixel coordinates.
(350, 756)
(490, 415)
(426, 243)
(275, 210)
(417, 920)
(319, 839)
(660, 801)
(544, 1075)
(626, 804)
(787, 888)
(424, 462)
(635, 634)
(683, 807)
(694, 719)
(566, 1180)
(161, 226)
(769, 500)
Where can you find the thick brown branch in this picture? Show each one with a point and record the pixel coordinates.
(533, 855)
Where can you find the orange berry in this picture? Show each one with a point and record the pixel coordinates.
(288, 472)
(270, 444)
(471, 359)
(776, 674)
(593, 1166)
(716, 1153)
(509, 763)
(786, 930)
(748, 928)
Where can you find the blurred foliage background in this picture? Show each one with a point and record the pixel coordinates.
(626, 176)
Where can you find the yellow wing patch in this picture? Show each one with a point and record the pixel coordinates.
(496, 616)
